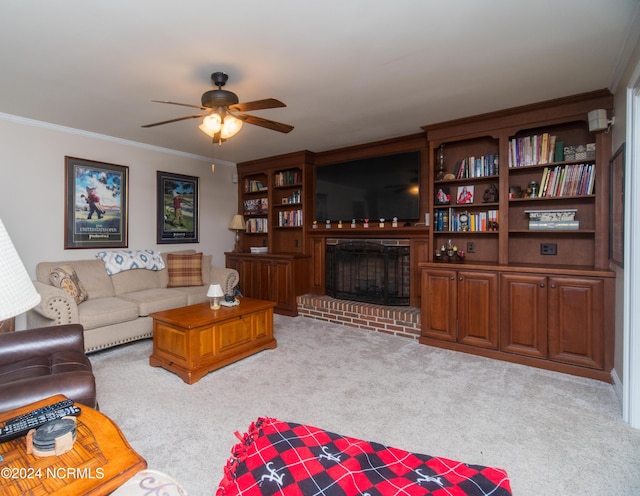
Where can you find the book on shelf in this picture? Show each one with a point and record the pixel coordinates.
(472, 167)
(256, 206)
(290, 218)
(253, 185)
(287, 178)
(256, 226)
(567, 180)
(552, 215)
(561, 225)
(452, 220)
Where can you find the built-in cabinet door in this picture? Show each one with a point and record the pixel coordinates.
(264, 280)
(576, 321)
(281, 285)
(523, 320)
(478, 299)
(439, 304)
(246, 271)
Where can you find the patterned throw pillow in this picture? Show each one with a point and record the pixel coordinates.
(184, 270)
(65, 277)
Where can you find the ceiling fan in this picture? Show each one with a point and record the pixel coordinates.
(219, 120)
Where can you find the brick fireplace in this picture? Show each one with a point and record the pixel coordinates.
(367, 286)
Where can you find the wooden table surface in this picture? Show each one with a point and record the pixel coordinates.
(100, 461)
(202, 314)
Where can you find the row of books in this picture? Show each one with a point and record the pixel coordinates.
(537, 149)
(253, 185)
(256, 206)
(287, 178)
(485, 165)
(256, 225)
(568, 180)
(450, 220)
(288, 218)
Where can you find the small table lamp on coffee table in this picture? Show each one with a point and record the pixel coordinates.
(216, 294)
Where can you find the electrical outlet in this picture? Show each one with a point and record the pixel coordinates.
(471, 247)
(548, 248)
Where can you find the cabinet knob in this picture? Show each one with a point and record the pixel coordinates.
(461, 278)
(542, 285)
(452, 278)
(553, 286)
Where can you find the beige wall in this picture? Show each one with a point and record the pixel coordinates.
(619, 131)
(32, 198)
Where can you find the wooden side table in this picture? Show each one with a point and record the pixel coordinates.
(100, 461)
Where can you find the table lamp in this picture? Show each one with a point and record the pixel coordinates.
(237, 224)
(17, 293)
(216, 294)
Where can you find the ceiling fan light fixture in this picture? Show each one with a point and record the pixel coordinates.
(211, 124)
(230, 127)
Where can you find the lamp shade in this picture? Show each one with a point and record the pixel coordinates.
(215, 291)
(17, 293)
(237, 223)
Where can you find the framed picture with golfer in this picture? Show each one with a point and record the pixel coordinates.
(97, 200)
(177, 208)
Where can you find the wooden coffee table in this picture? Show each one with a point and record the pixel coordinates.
(100, 461)
(195, 340)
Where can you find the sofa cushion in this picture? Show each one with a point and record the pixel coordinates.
(156, 300)
(194, 294)
(135, 280)
(184, 270)
(100, 312)
(164, 273)
(66, 278)
(91, 273)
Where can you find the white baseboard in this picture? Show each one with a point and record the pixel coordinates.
(617, 385)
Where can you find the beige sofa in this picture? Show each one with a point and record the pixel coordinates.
(118, 306)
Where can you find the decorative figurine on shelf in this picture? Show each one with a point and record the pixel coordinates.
(533, 189)
(490, 194)
(327, 224)
(339, 224)
(315, 225)
(440, 166)
(366, 223)
(381, 223)
(353, 223)
(394, 222)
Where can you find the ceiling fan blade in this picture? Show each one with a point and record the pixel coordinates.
(267, 103)
(175, 120)
(259, 121)
(182, 104)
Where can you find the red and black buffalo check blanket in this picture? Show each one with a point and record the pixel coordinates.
(285, 458)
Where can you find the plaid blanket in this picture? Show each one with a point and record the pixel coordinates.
(286, 458)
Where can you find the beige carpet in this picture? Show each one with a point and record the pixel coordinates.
(554, 434)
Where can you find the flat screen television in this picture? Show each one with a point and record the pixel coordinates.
(371, 188)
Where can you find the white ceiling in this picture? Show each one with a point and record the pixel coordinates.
(350, 71)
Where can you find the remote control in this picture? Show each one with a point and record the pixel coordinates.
(31, 421)
(40, 411)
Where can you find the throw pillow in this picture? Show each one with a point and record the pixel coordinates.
(184, 270)
(65, 278)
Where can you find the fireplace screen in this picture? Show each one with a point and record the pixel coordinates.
(368, 272)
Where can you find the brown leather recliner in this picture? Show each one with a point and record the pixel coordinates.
(42, 362)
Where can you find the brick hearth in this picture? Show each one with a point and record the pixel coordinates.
(400, 321)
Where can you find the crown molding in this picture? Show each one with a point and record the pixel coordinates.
(112, 139)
